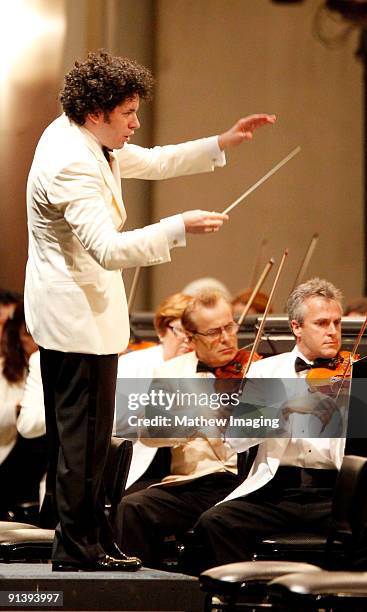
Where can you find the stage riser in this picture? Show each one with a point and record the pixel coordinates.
(145, 590)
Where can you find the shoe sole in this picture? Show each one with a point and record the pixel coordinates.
(74, 568)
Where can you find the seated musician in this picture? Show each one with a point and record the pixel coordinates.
(290, 485)
(141, 363)
(203, 470)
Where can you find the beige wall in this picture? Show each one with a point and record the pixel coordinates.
(218, 60)
(29, 102)
(214, 60)
(29, 89)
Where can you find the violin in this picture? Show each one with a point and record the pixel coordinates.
(339, 366)
(235, 368)
(332, 373)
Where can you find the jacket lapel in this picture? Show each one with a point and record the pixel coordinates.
(113, 181)
(110, 172)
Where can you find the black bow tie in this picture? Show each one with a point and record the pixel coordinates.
(300, 364)
(202, 367)
(106, 153)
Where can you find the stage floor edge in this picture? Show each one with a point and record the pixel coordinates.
(144, 590)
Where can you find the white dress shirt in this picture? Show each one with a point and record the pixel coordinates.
(325, 453)
(31, 420)
(300, 452)
(10, 397)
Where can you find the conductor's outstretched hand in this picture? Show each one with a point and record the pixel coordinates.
(243, 129)
(202, 221)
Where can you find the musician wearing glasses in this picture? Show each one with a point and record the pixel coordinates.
(203, 470)
(173, 340)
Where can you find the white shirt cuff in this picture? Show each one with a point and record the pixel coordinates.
(218, 157)
(174, 229)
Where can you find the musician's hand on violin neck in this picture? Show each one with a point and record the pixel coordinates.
(203, 221)
(243, 129)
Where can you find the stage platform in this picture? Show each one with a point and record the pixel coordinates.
(144, 590)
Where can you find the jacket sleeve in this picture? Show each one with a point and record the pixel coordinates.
(191, 157)
(77, 192)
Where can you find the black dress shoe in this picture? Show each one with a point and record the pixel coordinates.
(103, 564)
(123, 564)
(67, 566)
(115, 552)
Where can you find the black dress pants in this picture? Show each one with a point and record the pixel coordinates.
(79, 393)
(231, 530)
(144, 518)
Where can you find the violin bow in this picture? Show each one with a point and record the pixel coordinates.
(263, 179)
(358, 339)
(306, 260)
(133, 289)
(262, 324)
(352, 354)
(256, 290)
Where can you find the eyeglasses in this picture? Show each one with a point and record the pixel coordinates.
(178, 332)
(215, 334)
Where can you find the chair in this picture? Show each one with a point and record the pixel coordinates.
(35, 544)
(25, 512)
(116, 472)
(11, 525)
(32, 545)
(334, 551)
(327, 591)
(244, 585)
(348, 523)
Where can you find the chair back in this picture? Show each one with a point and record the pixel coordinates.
(116, 472)
(350, 497)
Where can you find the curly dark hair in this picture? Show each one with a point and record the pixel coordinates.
(15, 360)
(101, 83)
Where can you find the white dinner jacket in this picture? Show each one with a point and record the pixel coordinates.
(271, 450)
(181, 366)
(137, 364)
(197, 457)
(74, 294)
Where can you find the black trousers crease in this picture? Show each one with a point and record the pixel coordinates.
(79, 391)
